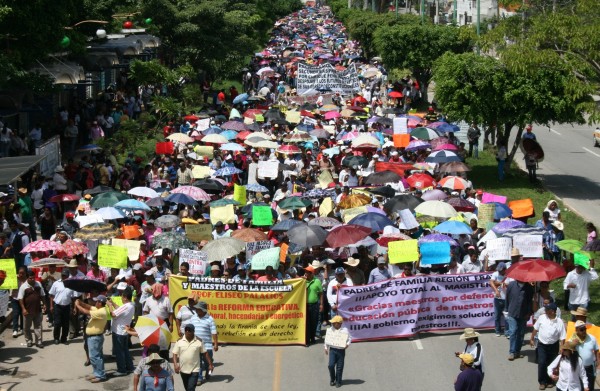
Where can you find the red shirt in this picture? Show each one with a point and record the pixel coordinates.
(221, 96)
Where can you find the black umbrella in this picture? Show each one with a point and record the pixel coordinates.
(248, 208)
(254, 127)
(308, 106)
(385, 191)
(381, 177)
(209, 185)
(155, 202)
(393, 110)
(273, 114)
(85, 285)
(97, 190)
(354, 160)
(384, 121)
(403, 201)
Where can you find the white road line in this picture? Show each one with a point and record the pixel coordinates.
(554, 131)
(592, 152)
(418, 344)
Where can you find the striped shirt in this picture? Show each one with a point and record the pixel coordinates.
(205, 328)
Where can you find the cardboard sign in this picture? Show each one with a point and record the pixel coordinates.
(349, 214)
(408, 219)
(199, 172)
(403, 251)
(324, 179)
(337, 340)
(112, 256)
(401, 140)
(203, 124)
(224, 214)
(489, 197)
(262, 215)
(132, 246)
(252, 248)
(198, 232)
(204, 151)
(239, 193)
(268, 169)
(326, 207)
(164, 148)
(530, 246)
(266, 257)
(198, 260)
(499, 249)
(485, 215)
(400, 125)
(435, 253)
(9, 266)
(522, 208)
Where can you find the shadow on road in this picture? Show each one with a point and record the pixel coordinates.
(572, 186)
(353, 381)
(221, 378)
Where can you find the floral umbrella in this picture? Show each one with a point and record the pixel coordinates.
(70, 248)
(167, 221)
(41, 245)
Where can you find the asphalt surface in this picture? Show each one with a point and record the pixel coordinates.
(571, 167)
(424, 363)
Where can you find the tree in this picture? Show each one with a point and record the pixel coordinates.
(417, 46)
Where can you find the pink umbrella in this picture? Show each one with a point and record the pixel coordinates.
(70, 248)
(447, 147)
(332, 115)
(288, 149)
(234, 125)
(350, 136)
(434, 195)
(41, 245)
(194, 192)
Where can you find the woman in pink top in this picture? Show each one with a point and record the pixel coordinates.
(591, 228)
(95, 273)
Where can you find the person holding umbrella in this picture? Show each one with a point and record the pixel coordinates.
(95, 335)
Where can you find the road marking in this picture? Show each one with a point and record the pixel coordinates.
(418, 344)
(592, 152)
(554, 131)
(277, 370)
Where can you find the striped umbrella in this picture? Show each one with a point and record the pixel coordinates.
(454, 183)
(194, 192)
(153, 331)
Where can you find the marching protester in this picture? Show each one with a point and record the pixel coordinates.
(567, 370)
(473, 347)
(337, 353)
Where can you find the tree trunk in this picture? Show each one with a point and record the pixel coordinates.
(515, 146)
(349, 4)
(365, 6)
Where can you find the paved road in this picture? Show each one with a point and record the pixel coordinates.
(426, 363)
(571, 168)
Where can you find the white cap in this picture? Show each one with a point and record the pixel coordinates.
(228, 157)
(394, 153)
(376, 156)
(149, 273)
(121, 286)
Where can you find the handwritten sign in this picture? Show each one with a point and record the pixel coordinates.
(268, 169)
(326, 207)
(403, 251)
(489, 197)
(262, 215)
(499, 249)
(112, 256)
(266, 257)
(224, 214)
(485, 215)
(199, 172)
(198, 260)
(337, 340)
(132, 246)
(435, 253)
(522, 208)
(253, 248)
(239, 193)
(530, 246)
(198, 232)
(9, 266)
(408, 219)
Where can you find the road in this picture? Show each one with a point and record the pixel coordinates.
(571, 168)
(425, 363)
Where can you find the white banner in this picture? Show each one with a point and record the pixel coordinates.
(530, 246)
(197, 260)
(252, 248)
(314, 78)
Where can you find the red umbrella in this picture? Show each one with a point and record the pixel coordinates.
(395, 94)
(447, 147)
(420, 181)
(460, 204)
(243, 134)
(305, 113)
(535, 270)
(191, 118)
(251, 113)
(384, 240)
(343, 235)
(356, 108)
(64, 198)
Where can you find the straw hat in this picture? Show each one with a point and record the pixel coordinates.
(469, 333)
(570, 345)
(515, 252)
(352, 262)
(580, 311)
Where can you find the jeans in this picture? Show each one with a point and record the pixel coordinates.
(498, 308)
(189, 380)
(590, 372)
(311, 324)
(336, 364)
(545, 355)
(121, 349)
(61, 321)
(17, 320)
(501, 169)
(204, 364)
(516, 331)
(95, 343)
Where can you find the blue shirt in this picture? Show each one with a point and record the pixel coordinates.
(205, 328)
(165, 382)
(587, 350)
(378, 275)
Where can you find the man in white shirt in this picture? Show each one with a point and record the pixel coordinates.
(577, 282)
(220, 231)
(121, 317)
(470, 263)
(60, 305)
(333, 286)
(551, 333)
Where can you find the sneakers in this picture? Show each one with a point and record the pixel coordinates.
(15, 334)
(511, 357)
(498, 335)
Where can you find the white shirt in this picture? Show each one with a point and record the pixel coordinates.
(471, 267)
(25, 286)
(459, 269)
(332, 290)
(122, 317)
(36, 197)
(567, 378)
(62, 295)
(550, 331)
(476, 350)
(501, 279)
(184, 315)
(161, 308)
(580, 294)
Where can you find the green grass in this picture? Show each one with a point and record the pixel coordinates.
(516, 186)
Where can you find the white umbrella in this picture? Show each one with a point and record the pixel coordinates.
(215, 139)
(142, 191)
(436, 209)
(181, 137)
(232, 147)
(364, 140)
(223, 248)
(110, 213)
(263, 70)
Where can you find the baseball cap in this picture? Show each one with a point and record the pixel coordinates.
(189, 327)
(380, 260)
(467, 358)
(137, 266)
(579, 323)
(340, 270)
(551, 306)
(501, 266)
(100, 298)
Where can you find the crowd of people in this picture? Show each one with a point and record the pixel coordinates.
(326, 154)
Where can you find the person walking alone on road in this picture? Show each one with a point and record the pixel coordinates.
(186, 357)
(469, 378)
(474, 348)
(531, 164)
(337, 340)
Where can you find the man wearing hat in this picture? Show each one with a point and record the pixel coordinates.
(186, 357)
(380, 273)
(580, 313)
(337, 353)
(588, 350)
(474, 348)
(95, 335)
(60, 306)
(354, 273)
(333, 286)
(578, 282)
(550, 332)
(469, 378)
(314, 293)
(206, 330)
(220, 232)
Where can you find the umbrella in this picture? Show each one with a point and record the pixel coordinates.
(234, 125)
(354, 201)
(47, 262)
(355, 160)
(41, 245)
(223, 202)
(438, 238)
(167, 221)
(191, 117)
(375, 221)
(297, 137)
(423, 166)
(506, 225)
(446, 146)
(524, 230)
(215, 139)
(192, 191)
(285, 225)
(446, 127)
(173, 240)
(97, 231)
(180, 137)
(395, 95)
(442, 157)
(132, 205)
(228, 134)
(434, 195)
(295, 203)
(107, 199)
(155, 202)
(400, 202)
(70, 248)
(454, 183)
(416, 145)
(382, 177)
(570, 245)
(209, 185)
(320, 133)
(266, 257)
(263, 70)
(332, 115)
(424, 133)
(142, 191)
(98, 190)
(64, 198)
(249, 235)
(240, 98)
(273, 113)
(385, 239)
(324, 222)
(85, 285)
(535, 270)
(232, 147)
(384, 191)
(420, 180)
(288, 149)
(501, 211)
(220, 249)
(365, 140)
(227, 171)
(256, 188)
(453, 227)
(110, 213)
(454, 167)
(594, 245)
(436, 209)
(307, 236)
(346, 234)
(460, 204)
(153, 331)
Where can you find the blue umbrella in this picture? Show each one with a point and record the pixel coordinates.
(448, 128)
(438, 238)
(506, 225)
(453, 227)
(227, 171)
(286, 224)
(375, 221)
(229, 134)
(240, 98)
(180, 198)
(305, 127)
(256, 187)
(501, 211)
(132, 204)
(212, 130)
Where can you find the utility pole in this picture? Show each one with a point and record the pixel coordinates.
(478, 17)
(454, 13)
(396, 8)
